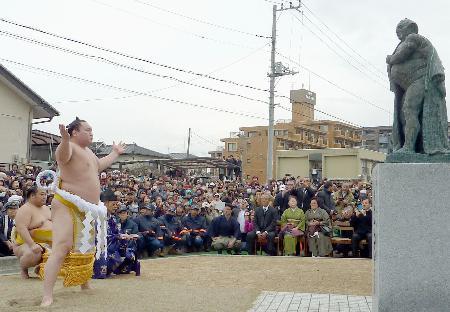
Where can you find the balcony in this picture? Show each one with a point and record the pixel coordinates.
(283, 121)
(339, 134)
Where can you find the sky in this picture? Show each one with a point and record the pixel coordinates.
(338, 49)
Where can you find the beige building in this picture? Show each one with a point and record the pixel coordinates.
(331, 163)
(20, 108)
(300, 132)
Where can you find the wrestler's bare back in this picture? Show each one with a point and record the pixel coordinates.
(79, 175)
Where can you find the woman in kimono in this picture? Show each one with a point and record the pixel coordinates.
(317, 221)
(292, 226)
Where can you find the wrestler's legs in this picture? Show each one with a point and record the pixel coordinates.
(412, 108)
(27, 258)
(62, 228)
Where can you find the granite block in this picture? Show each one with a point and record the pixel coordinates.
(411, 237)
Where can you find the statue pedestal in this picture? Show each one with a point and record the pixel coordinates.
(418, 158)
(411, 238)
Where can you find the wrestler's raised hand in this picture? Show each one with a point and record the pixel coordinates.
(63, 131)
(119, 148)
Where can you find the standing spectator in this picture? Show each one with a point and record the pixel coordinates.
(265, 224)
(305, 194)
(282, 198)
(230, 167)
(225, 234)
(14, 170)
(325, 198)
(238, 168)
(316, 221)
(362, 225)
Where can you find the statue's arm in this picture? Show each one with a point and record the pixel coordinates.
(404, 51)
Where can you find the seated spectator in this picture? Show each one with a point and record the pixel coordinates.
(180, 213)
(343, 198)
(131, 203)
(114, 263)
(239, 214)
(196, 227)
(128, 243)
(249, 221)
(171, 228)
(317, 224)
(225, 234)
(362, 225)
(292, 226)
(265, 225)
(159, 205)
(7, 223)
(150, 233)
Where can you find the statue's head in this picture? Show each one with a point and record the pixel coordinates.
(405, 28)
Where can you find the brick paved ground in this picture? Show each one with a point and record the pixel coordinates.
(272, 301)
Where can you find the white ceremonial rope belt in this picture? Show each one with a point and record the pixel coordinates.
(92, 212)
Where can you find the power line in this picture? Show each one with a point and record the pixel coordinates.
(338, 37)
(131, 56)
(202, 21)
(374, 73)
(111, 62)
(244, 114)
(335, 84)
(200, 36)
(339, 55)
(96, 99)
(168, 87)
(202, 138)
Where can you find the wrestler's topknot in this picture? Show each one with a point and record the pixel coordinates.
(74, 125)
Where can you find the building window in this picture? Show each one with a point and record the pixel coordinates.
(248, 160)
(232, 147)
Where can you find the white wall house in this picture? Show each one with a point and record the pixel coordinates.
(20, 108)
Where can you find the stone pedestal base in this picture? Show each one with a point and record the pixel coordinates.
(411, 238)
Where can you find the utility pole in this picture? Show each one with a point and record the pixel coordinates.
(277, 69)
(189, 143)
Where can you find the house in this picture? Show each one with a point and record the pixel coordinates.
(43, 146)
(20, 109)
(181, 156)
(133, 155)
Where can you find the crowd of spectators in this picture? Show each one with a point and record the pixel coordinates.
(177, 214)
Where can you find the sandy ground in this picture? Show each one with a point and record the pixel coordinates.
(196, 283)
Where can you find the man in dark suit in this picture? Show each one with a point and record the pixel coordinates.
(6, 225)
(265, 225)
(305, 194)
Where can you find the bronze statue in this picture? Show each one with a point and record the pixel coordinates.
(417, 79)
